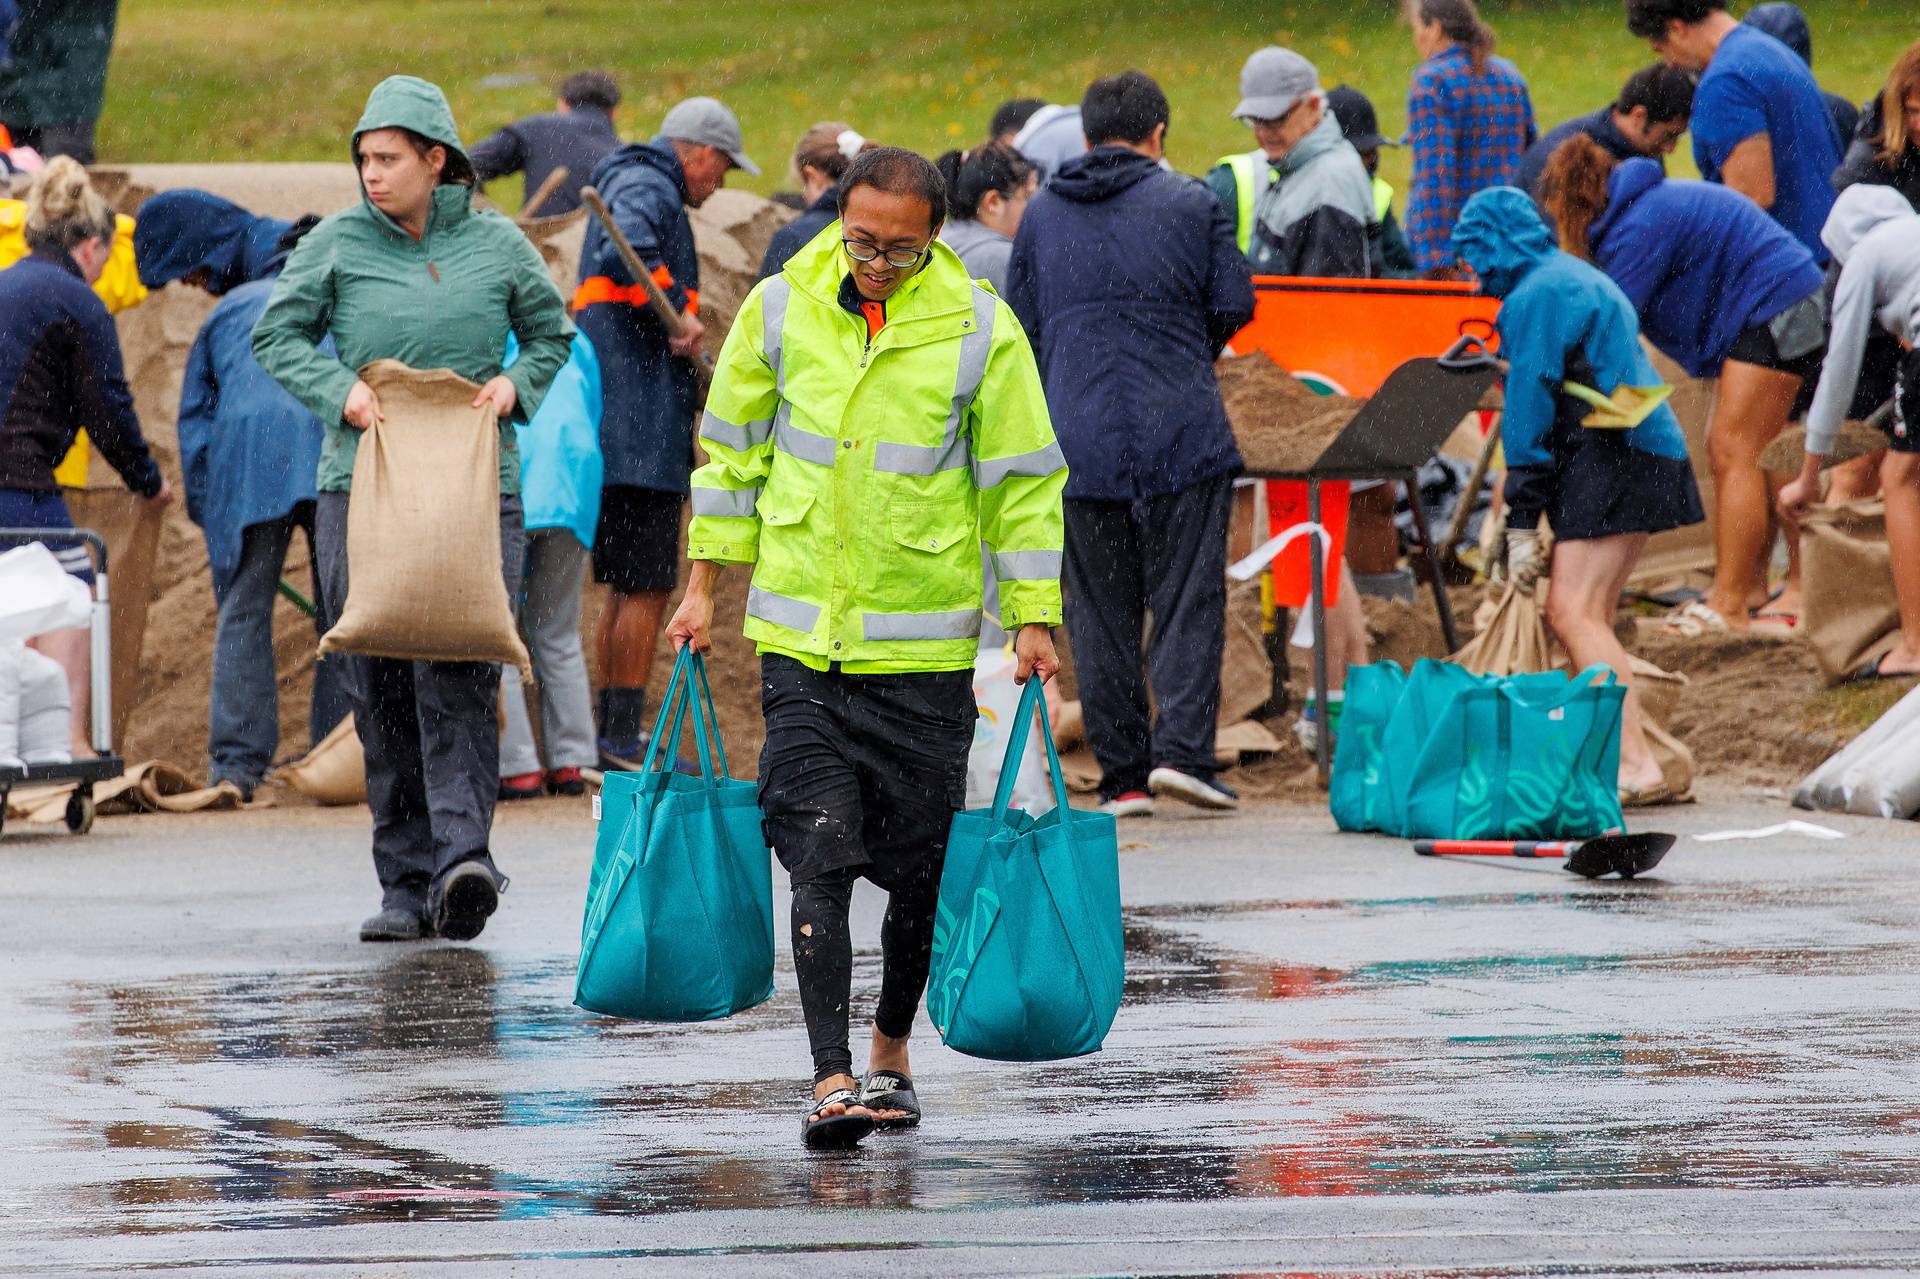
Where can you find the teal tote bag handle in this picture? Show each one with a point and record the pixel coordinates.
(679, 705)
(1032, 702)
(1599, 675)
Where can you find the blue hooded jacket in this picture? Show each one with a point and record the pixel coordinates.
(1129, 282)
(646, 423)
(1698, 261)
(560, 465)
(1560, 320)
(179, 232)
(249, 451)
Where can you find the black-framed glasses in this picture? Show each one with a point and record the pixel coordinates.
(861, 251)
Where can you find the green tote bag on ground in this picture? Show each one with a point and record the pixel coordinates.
(1028, 959)
(679, 918)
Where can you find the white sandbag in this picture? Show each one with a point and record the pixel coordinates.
(1875, 775)
(998, 697)
(46, 710)
(10, 705)
(37, 595)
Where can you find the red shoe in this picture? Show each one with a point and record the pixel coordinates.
(525, 786)
(566, 781)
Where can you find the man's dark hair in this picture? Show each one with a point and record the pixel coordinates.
(594, 90)
(1123, 108)
(1648, 18)
(897, 171)
(1666, 92)
(1013, 114)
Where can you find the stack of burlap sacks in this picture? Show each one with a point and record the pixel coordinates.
(164, 611)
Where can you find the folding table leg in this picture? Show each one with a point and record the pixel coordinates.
(1316, 557)
(1441, 603)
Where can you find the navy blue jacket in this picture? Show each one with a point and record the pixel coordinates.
(646, 420)
(179, 232)
(1597, 125)
(578, 140)
(1128, 280)
(60, 370)
(795, 235)
(1698, 261)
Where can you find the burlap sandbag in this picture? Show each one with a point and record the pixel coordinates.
(130, 525)
(334, 771)
(1850, 617)
(1513, 641)
(424, 577)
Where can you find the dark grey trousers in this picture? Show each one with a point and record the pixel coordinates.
(430, 732)
(1165, 556)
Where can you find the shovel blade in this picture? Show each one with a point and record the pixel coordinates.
(1628, 407)
(1622, 855)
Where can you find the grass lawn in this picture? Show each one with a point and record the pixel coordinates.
(196, 80)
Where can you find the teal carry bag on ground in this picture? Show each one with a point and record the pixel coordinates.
(1028, 958)
(1521, 757)
(1372, 693)
(679, 918)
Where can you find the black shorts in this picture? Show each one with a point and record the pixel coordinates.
(1903, 426)
(636, 548)
(1757, 344)
(1608, 487)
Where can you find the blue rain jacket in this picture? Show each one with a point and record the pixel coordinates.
(249, 451)
(178, 232)
(1699, 261)
(560, 463)
(1560, 320)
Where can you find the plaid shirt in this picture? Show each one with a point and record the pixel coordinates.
(1467, 130)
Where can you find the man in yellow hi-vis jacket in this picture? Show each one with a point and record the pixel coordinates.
(876, 417)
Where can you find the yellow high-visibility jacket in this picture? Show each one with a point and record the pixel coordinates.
(119, 284)
(861, 476)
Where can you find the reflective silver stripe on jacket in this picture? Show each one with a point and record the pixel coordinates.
(773, 317)
(805, 445)
(1026, 565)
(1037, 465)
(738, 436)
(782, 610)
(959, 624)
(731, 503)
(951, 453)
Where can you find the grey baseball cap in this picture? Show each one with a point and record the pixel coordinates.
(707, 122)
(1272, 81)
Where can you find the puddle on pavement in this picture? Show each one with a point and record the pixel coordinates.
(1250, 1079)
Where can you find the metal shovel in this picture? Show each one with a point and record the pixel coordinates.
(1622, 855)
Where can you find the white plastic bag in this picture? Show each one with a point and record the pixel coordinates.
(46, 710)
(37, 595)
(1877, 774)
(998, 697)
(10, 705)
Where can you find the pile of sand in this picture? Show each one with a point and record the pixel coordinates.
(168, 720)
(1278, 420)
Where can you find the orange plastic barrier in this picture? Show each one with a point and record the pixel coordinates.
(1344, 337)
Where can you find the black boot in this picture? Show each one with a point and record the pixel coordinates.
(623, 727)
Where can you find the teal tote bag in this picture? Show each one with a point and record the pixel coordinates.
(1372, 694)
(679, 918)
(1521, 757)
(1028, 959)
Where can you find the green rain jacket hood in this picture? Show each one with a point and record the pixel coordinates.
(446, 300)
(408, 102)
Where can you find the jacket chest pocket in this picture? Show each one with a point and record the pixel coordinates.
(932, 528)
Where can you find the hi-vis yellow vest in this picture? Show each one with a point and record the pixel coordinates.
(860, 478)
(1252, 175)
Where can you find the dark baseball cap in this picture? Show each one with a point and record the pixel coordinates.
(1358, 124)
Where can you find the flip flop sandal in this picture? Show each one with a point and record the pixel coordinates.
(1772, 622)
(1872, 671)
(1653, 796)
(890, 1090)
(1695, 619)
(835, 1132)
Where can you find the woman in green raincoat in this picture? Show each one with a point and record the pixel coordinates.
(414, 273)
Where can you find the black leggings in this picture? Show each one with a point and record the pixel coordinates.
(823, 962)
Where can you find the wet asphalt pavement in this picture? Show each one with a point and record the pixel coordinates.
(1334, 1058)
